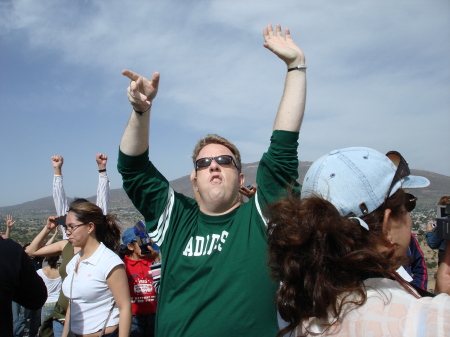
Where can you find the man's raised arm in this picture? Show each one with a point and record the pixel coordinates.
(292, 106)
(59, 195)
(103, 190)
(141, 93)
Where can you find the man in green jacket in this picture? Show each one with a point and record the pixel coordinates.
(215, 279)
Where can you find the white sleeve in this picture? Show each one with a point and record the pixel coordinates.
(60, 200)
(112, 260)
(103, 192)
(59, 196)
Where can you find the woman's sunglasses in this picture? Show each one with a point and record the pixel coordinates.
(221, 160)
(401, 172)
(402, 168)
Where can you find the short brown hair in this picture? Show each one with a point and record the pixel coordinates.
(216, 139)
(445, 200)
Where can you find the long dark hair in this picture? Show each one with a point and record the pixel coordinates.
(322, 257)
(106, 227)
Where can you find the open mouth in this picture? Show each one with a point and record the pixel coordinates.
(216, 179)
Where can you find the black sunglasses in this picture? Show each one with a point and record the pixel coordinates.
(221, 160)
(410, 202)
(402, 168)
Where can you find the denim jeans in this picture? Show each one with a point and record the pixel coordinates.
(58, 328)
(17, 319)
(20, 317)
(47, 310)
(143, 326)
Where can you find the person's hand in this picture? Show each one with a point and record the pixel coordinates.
(152, 254)
(56, 231)
(57, 161)
(51, 222)
(9, 221)
(248, 192)
(282, 46)
(101, 160)
(141, 92)
(430, 226)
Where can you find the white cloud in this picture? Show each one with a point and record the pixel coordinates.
(377, 70)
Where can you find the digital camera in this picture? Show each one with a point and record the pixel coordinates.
(442, 222)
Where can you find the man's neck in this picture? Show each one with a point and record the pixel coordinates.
(217, 210)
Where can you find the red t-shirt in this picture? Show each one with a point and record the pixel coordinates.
(140, 281)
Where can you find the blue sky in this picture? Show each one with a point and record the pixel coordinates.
(378, 76)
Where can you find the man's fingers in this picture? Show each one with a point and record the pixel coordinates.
(57, 158)
(155, 79)
(133, 93)
(268, 32)
(133, 87)
(279, 34)
(288, 34)
(270, 29)
(130, 74)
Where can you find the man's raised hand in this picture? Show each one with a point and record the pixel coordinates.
(141, 91)
(282, 46)
(101, 160)
(57, 161)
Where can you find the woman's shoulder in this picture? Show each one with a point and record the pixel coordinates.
(110, 256)
(394, 295)
(387, 289)
(389, 307)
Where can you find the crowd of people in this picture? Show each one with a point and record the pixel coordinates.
(325, 258)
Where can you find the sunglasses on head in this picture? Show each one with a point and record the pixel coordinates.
(410, 202)
(221, 160)
(402, 168)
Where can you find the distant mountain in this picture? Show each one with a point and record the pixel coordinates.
(428, 197)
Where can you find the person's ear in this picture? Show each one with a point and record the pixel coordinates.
(193, 179)
(241, 179)
(387, 219)
(130, 246)
(91, 227)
